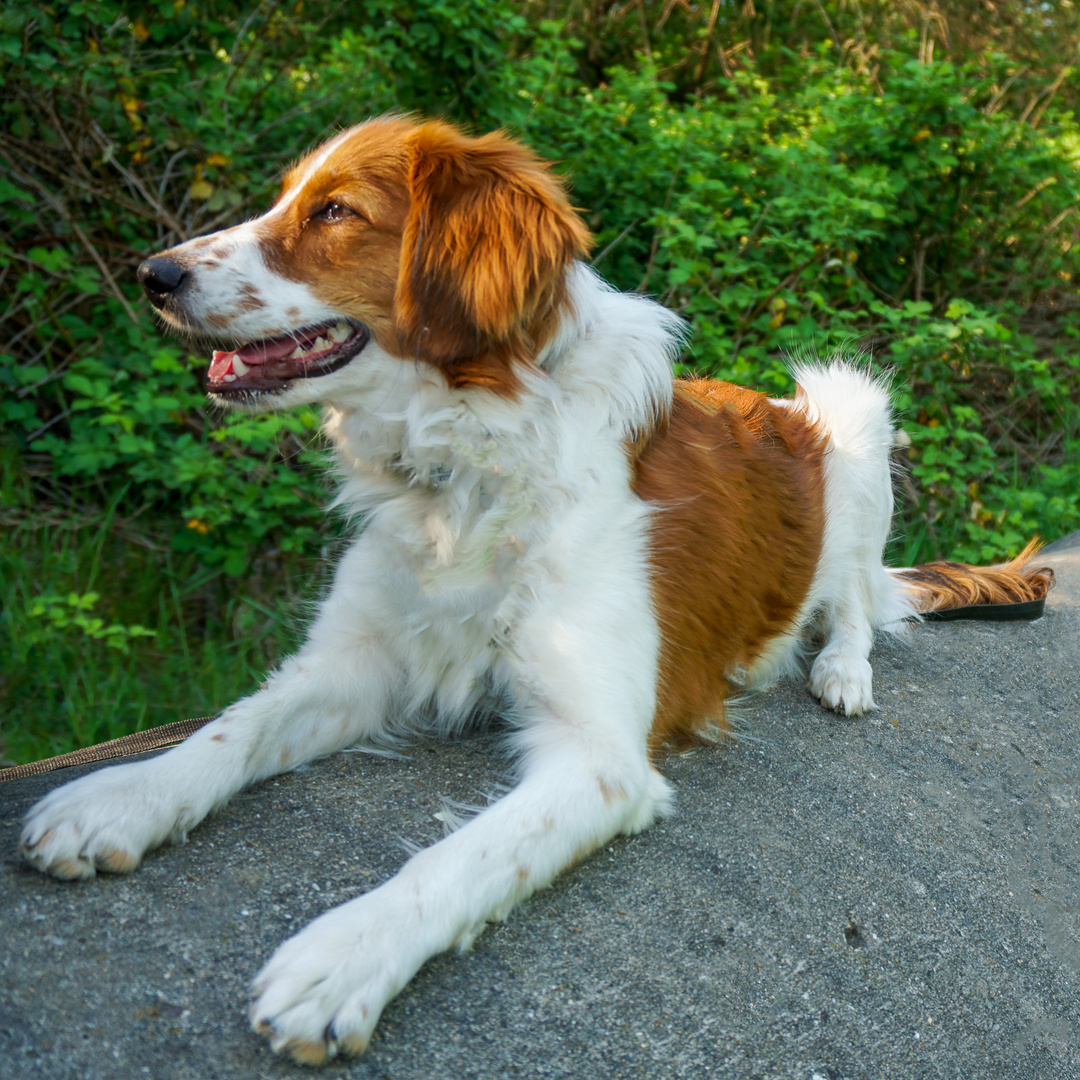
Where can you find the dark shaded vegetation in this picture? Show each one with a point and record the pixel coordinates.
(893, 177)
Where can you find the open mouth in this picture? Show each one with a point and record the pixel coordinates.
(269, 366)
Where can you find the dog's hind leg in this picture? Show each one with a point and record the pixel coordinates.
(335, 692)
(852, 594)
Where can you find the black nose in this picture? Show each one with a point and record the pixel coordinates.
(160, 277)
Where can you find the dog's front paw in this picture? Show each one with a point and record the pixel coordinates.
(843, 682)
(105, 821)
(322, 992)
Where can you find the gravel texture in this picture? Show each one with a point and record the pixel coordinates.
(884, 898)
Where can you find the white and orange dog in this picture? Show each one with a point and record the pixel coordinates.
(548, 523)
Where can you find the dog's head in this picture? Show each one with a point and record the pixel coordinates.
(409, 238)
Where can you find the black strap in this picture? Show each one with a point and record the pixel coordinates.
(1024, 609)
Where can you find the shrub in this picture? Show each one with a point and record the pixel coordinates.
(786, 202)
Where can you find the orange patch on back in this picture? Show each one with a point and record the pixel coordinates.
(737, 487)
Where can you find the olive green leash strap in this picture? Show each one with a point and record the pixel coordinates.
(136, 743)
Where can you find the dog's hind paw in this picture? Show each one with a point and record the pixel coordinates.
(843, 682)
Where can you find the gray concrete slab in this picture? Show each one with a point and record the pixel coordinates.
(894, 897)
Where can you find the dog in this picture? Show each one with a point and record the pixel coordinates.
(547, 525)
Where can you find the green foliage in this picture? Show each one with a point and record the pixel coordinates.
(908, 221)
(150, 636)
(56, 615)
(794, 180)
(697, 48)
(986, 413)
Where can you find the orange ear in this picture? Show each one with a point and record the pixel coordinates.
(487, 243)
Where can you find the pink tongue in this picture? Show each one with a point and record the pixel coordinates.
(220, 365)
(259, 352)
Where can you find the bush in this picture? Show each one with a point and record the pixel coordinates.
(907, 222)
(785, 202)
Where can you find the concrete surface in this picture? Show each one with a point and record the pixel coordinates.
(888, 898)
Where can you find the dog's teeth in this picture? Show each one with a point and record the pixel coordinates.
(230, 377)
(297, 353)
(239, 367)
(321, 344)
(339, 332)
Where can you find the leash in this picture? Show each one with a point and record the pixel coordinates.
(136, 743)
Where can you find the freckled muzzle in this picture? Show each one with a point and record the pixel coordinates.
(262, 366)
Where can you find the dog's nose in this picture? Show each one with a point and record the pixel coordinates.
(160, 277)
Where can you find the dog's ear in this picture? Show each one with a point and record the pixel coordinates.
(487, 243)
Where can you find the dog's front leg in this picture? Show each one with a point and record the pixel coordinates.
(582, 670)
(322, 991)
(332, 694)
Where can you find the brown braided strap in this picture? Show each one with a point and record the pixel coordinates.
(136, 743)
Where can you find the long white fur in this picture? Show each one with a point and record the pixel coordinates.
(503, 556)
(852, 594)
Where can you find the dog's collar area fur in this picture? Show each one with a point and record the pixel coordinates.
(435, 478)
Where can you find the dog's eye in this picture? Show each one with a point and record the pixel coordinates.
(333, 211)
